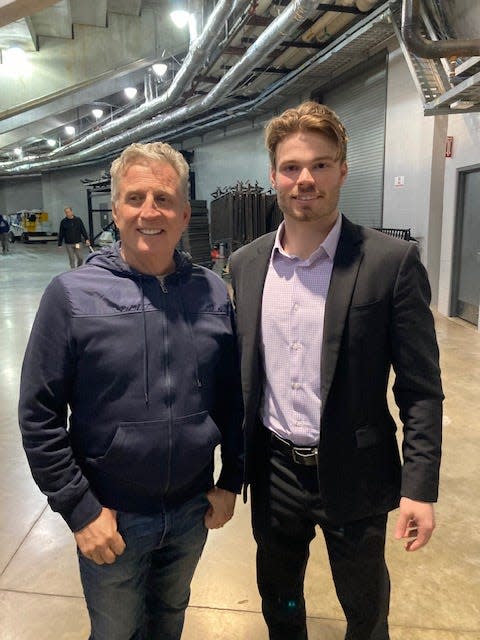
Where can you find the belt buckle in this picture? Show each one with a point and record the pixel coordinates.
(308, 459)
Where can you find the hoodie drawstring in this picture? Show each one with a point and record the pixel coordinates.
(145, 349)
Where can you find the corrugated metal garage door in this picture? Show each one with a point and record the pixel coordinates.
(361, 105)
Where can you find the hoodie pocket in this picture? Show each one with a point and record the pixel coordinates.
(194, 440)
(159, 453)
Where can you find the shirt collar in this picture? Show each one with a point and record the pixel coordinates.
(328, 246)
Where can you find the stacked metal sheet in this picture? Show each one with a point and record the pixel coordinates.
(195, 239)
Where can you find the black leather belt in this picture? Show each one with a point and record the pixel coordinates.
(307, 456)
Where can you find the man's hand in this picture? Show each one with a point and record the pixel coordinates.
(222, 505)
(99, 540)
(415, 522)
(87, 242)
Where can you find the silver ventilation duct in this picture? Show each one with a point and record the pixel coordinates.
(284, 25)
(200, 51)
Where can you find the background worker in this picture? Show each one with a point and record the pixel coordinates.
(71, 233)
(4, 234)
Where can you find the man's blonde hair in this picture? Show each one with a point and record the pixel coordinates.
(146, 154)
(309, 116)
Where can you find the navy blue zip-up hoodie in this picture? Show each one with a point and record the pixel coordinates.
(149, 370)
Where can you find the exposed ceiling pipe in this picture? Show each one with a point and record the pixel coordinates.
(425, 48)
(199, 52)
(285, 24)
(319, 30)
(329, 24)
(311, 33)
(230, 114)
(365, 5)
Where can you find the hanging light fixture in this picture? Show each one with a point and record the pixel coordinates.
(70, 130)
(179, 13)
(51, 142)
(130, 92)
(97, 113)
(159, 69)
(180, 18)
(16, 62)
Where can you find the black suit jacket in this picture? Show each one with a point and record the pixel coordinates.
(376, 316)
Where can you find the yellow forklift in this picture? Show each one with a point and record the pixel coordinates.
(31, 225)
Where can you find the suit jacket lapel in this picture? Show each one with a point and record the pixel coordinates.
(344, 275)
(254, 280)
(250, 290)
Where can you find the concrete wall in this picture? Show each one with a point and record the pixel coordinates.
(414, 155)
(21, 193)
(223, 162)
(408, 147)
(465, 17)
(96, 51)
(64, 188)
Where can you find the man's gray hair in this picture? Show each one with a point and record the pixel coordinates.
(146, 154)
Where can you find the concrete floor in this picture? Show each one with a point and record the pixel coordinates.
(436, 592)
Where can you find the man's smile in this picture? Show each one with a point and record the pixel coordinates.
(151, 232)
(306, 197)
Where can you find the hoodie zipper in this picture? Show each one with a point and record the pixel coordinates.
(163, 286)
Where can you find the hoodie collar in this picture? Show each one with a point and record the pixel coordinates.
(110, 258)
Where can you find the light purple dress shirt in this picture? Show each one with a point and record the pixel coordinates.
(293, 307)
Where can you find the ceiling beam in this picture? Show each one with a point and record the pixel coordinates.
(12, 10)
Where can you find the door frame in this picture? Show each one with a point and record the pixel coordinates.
(462, 173)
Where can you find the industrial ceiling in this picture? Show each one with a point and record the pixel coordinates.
(245, 58)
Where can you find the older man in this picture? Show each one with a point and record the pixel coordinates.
(141, 349)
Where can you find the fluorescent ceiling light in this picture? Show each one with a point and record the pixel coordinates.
(70, 130)
(160, 69)
(180, 18)
(97, 113)
(51, 142)
(130, 92)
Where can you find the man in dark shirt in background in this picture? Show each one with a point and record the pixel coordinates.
(71, 232)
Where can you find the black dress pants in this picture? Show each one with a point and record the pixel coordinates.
(286, 506)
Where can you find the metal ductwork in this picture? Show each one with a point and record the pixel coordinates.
(425, 48)
(284, 25)
(199, 53)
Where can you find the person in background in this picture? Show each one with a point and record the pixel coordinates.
(140, 347)
(4, 234)
(324, 309)
(72, 232)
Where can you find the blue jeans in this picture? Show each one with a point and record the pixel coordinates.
(144, 593)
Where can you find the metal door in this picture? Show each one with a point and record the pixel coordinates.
(466, 299)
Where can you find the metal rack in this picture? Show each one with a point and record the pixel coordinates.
(241, 213)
